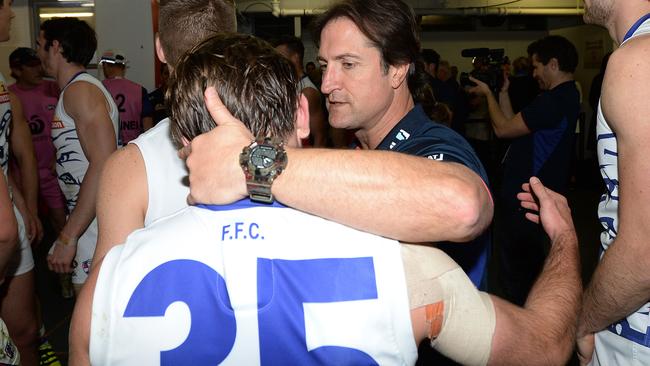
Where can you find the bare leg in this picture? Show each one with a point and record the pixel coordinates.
(18, 310)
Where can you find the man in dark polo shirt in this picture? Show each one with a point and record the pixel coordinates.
(543, 136)
(435, 192)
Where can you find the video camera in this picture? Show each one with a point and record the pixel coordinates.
(490, 72)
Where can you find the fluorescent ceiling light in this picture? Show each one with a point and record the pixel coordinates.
(66, 15)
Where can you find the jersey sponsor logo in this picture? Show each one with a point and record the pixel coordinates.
(36, 124)
(438, 157)
(283, 333)
(57, 123)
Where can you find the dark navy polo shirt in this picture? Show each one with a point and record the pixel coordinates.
(547, 151)
(417, 135)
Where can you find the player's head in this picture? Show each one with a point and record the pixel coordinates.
(292, 48)
(113, 63)
(389, 25)
(69, 40)
(185, 23)
(255, 83)
(6, 14)
(552, 56)
(26, 66)
(380, 35)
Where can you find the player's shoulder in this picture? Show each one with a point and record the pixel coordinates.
(125, 161)
(629, 68)
(184, 225)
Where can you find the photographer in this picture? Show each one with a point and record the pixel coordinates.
(542, 143)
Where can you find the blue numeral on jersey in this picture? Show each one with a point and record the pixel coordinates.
(282, 324)
(213, 329)
(283, 287)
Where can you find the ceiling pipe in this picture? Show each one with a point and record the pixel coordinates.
(278, 11)
(503, 11)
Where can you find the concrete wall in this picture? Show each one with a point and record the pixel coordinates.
(127, 25)
(21, 35)
(122, 24)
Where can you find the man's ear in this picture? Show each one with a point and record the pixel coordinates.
(302, 118)
(56, 46)
(398, 73)
(159, 50)
(555, 64)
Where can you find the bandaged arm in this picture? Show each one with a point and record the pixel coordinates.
(474, 328)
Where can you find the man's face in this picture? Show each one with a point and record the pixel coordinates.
(598, 12)
(45, 56)
(541, 73)
(358, 90)
(30, 74)
(6, 14)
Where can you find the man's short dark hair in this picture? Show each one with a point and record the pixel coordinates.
(556, 47)
(76, 38)
(185, 23)
(292, 43)
(256, 83)
(389, 24)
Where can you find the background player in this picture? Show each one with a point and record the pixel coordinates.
(84, 133)
(38, 98)
(131, 98)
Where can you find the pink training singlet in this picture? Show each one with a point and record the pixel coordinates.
(39, 104)
(128, 97)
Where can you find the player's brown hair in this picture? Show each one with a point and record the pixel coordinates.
(257, 85)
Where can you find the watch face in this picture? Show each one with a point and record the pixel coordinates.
(263, 156)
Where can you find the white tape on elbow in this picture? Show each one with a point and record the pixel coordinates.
(469, 322)
(469, 318)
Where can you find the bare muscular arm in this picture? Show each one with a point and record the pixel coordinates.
(621, 283)
(394, 195)
(86, 104)
(542, 331)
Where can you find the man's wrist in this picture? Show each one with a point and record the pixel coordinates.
(66, 240)
(566, 237)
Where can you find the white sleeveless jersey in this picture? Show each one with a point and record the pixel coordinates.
(167, 182)
(5, 125)
(71, 162)
(251, 284)
(627, 341)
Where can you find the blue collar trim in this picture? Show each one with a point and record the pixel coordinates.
(245, 203)
(635, 26)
